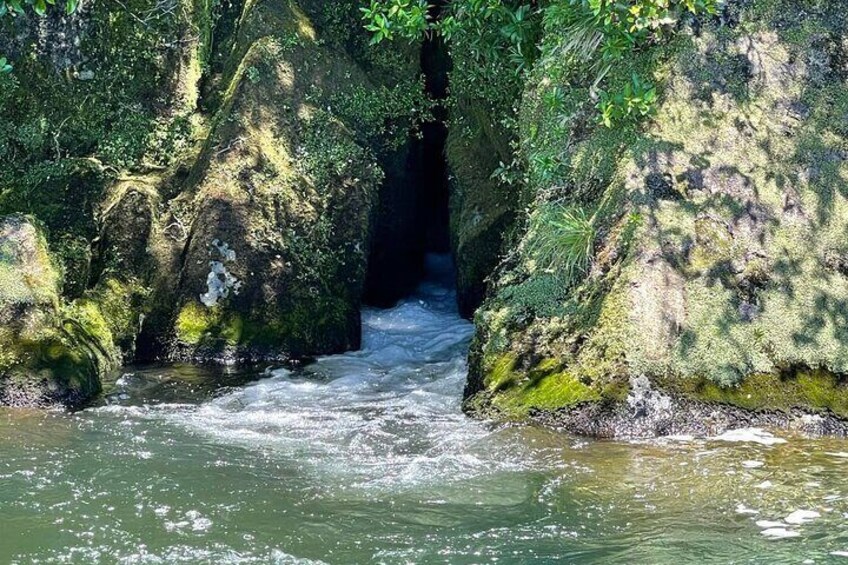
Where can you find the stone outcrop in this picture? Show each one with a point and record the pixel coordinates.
(49, 354)
(208, 178)
(719, 227)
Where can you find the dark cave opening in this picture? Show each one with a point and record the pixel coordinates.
(414, 217)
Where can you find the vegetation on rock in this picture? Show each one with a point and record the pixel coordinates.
(714, 266)
(257, 129)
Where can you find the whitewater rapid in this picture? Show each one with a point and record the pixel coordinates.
(386, 415)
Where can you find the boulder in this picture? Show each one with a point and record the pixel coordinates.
(49, 354)
(718, 229)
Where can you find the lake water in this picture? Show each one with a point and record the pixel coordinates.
(366, 458)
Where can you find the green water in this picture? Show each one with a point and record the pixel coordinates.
(366, 458)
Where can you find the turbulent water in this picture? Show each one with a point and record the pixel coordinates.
(366, 458)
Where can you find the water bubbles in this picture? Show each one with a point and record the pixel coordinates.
(192, 521)
(750, 435)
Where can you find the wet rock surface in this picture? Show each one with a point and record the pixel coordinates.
(682, 417)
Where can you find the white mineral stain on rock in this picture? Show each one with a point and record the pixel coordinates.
(220, 282)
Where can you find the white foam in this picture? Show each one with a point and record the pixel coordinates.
(780, 533)
(750, 435)
(802, 517)
(387, 415)
(743, 509)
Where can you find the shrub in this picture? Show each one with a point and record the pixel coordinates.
(598, 33)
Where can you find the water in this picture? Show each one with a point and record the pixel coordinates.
(366, 458)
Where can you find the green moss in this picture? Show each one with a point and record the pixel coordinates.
(555, 391)
(84, 315)
(501, 374)
(545, 386)
(198, 325)
(809, 390)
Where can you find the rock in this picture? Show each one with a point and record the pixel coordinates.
(720, 226)
(48, 354)
(482, 208)
(281, 213)
(232, 223)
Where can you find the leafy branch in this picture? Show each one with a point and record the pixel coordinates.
(599, 33)
(18, 7)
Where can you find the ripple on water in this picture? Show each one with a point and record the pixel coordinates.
(367, 457)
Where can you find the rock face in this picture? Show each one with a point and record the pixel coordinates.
(275, 257)
(48, 354)
(483, 205)
(482, 208)
(208, 177)
(717, 270)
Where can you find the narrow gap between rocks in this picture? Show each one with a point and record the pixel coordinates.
(414, 214)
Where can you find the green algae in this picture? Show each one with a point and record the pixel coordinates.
(818, 391)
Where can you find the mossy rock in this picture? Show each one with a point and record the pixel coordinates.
(483, 208)
(49, 353)
(279, 204)
(720, 222)
(143, 134)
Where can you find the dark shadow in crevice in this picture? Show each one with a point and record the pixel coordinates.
(413, 214)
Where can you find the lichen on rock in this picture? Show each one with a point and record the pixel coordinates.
(718, 225)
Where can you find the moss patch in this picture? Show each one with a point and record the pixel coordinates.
(199, 325)
(809, 390)
(544, 387)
